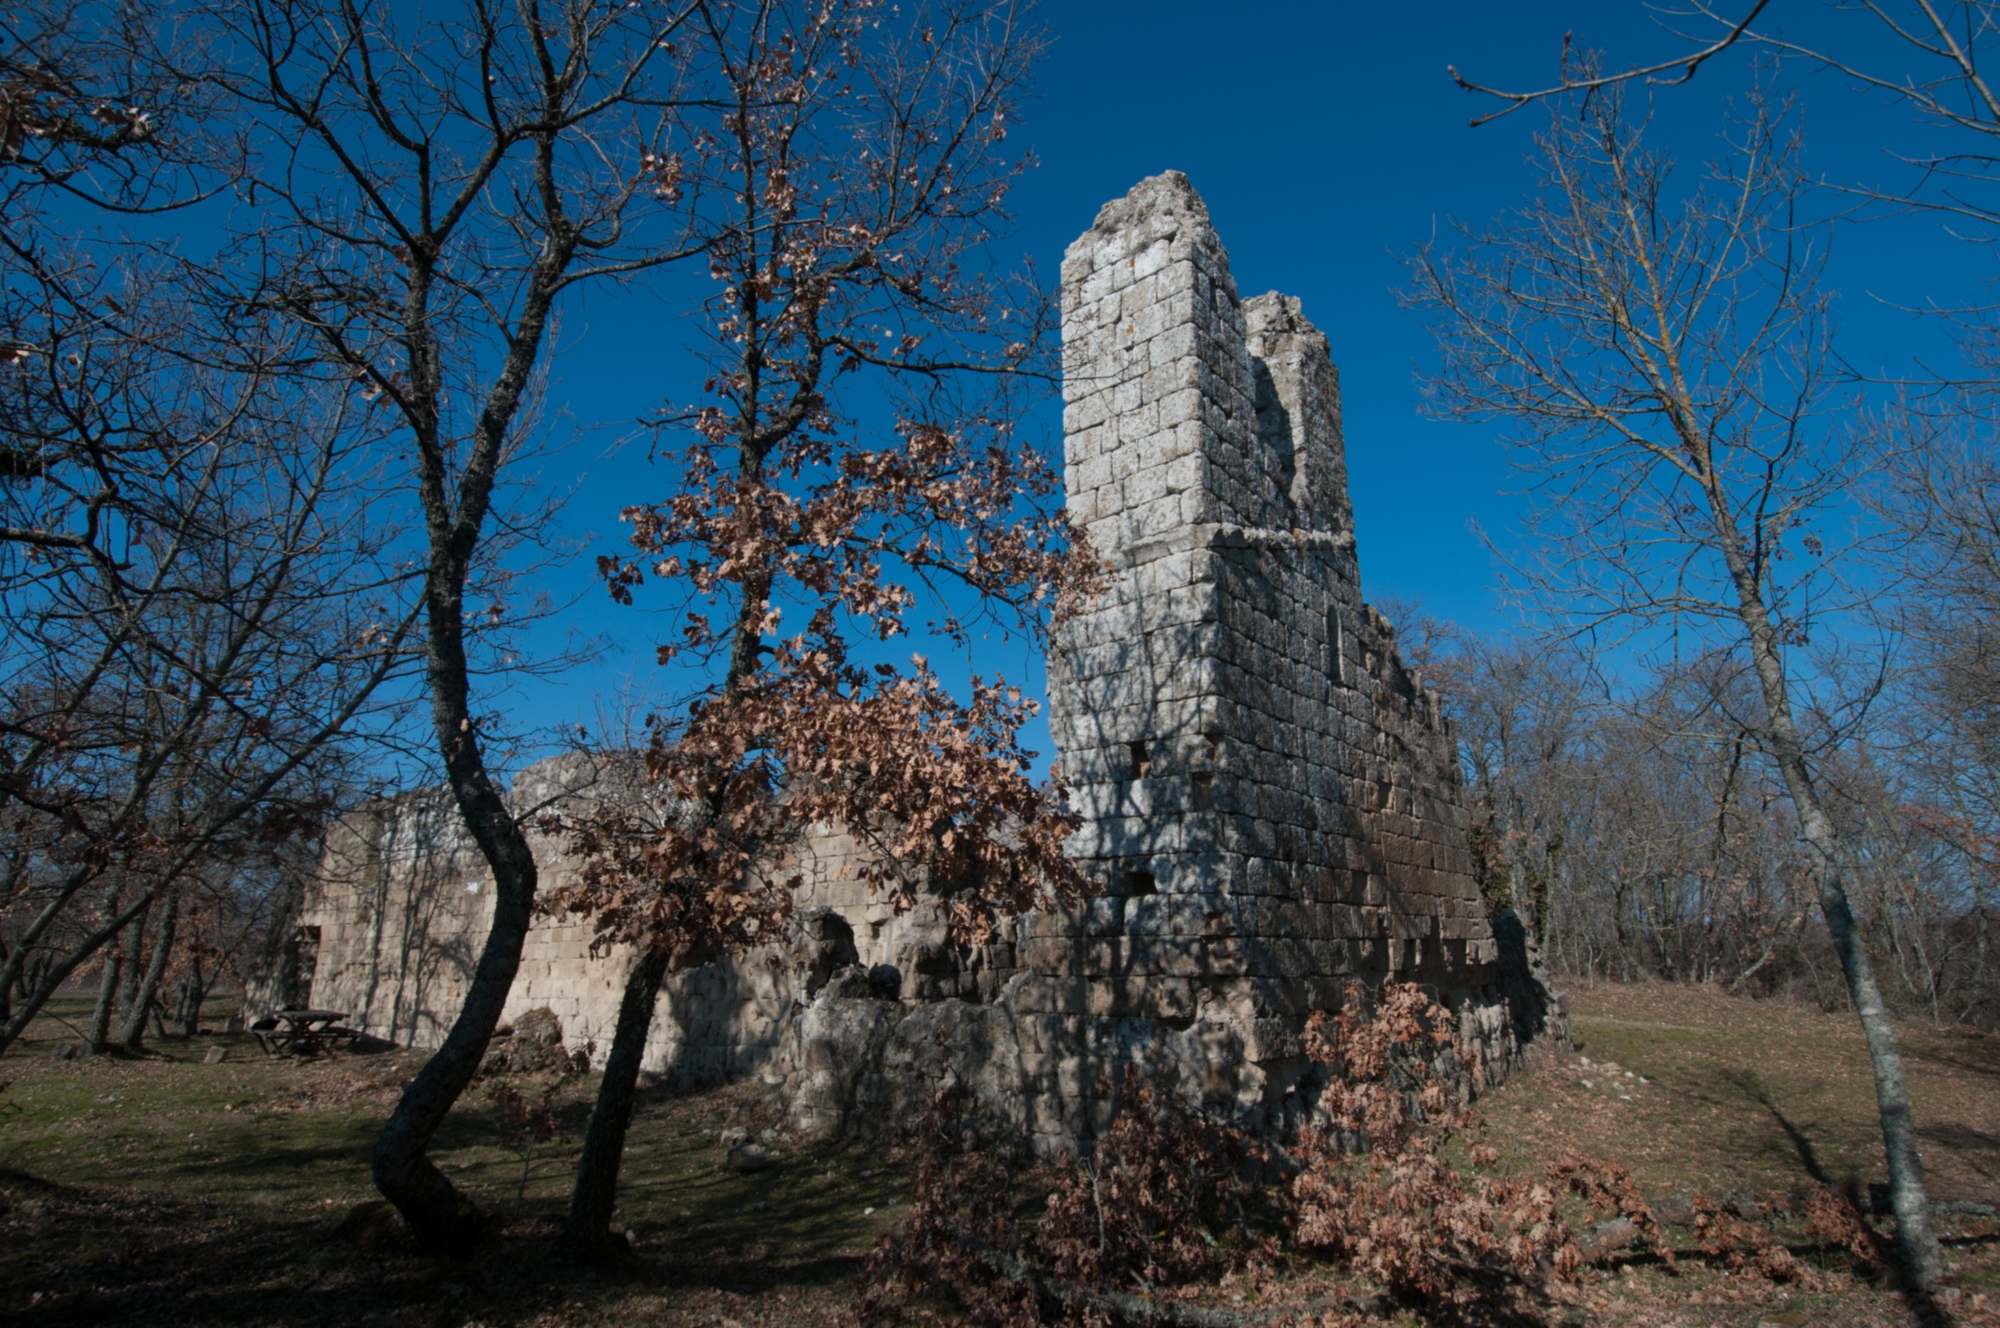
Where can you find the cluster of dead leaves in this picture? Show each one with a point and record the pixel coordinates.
(792, 537)
(1379, 1189)
(1161, 1208)
(1391, 1185)
(700, 860)
(1730, 1239)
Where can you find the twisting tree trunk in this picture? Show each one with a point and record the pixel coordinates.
(468, 167)
(442, 1218)
(587, 1234)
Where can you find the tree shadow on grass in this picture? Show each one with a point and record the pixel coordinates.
(89, 1255)
(1960, 1138)
(1978, 1151)
(281, 1161)
(782, 1205)
(1751, 1086)
(1964, 1050)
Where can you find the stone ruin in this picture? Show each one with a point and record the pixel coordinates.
(1271, 798)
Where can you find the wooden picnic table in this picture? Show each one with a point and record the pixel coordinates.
(302, 1032)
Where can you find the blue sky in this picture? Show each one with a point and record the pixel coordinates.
(1328, 140)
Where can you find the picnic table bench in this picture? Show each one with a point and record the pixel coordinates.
(302, 1032)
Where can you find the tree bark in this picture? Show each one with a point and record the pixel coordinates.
(588, 1234)
(1916, 1243)
(132, 1030)
(107, 991)
(134, 967)
(443, 1220)
(194, 990)
(115, 932)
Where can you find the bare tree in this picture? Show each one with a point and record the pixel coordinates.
(437, 185)
(140, 487)
(1928, 58)
(113, 105)
(1523, 718)
(1943, 82)
(1665, 360)
(1944, 500)
(198, 613)
(860, 163)
(1633, 823)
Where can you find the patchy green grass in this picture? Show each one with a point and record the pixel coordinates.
(217, 1163)
(268, 1132)
(1716, 1093)
(1700, 1092)
(165, 1190)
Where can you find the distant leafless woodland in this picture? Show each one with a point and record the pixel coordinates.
(1641, 834)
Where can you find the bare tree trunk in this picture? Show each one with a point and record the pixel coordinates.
(588, 1234)
(107, 994)
(99, 1038)
(133, 1030)
(193, 992)
(442, 1219)
(1923, 1259)
(132, 970)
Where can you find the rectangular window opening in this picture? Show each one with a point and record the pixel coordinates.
(1336, 648)
(1142, 765)
(1140, 883)
(1204, 790)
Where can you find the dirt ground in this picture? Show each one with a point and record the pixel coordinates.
(167, 1190)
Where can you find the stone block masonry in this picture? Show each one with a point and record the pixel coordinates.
(391, 929)
(1271, 800)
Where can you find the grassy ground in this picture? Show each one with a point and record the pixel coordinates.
(1697, 1091)
(167, 1190)
(237, 1176)
(1745, 1095)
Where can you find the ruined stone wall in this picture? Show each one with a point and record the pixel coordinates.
(403, 901)
(1271, 800)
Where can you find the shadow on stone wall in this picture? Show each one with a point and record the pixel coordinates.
(1537, 1012)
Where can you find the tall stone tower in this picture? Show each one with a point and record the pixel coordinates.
(1271, 799)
